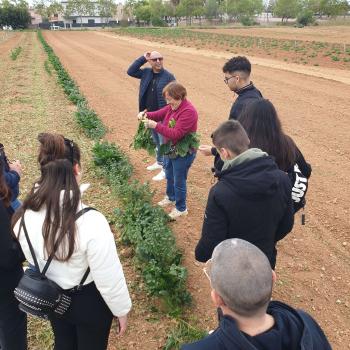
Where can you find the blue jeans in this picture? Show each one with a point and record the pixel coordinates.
(157, 138)
(176, 171)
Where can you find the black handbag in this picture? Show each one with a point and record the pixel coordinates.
(38, 295)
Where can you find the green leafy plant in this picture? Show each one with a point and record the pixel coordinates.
(15, 52)
(88, 120)
(143, 140)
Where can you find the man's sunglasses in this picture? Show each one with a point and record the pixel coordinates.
(160, 59)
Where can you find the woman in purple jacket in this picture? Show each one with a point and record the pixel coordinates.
(174, 121)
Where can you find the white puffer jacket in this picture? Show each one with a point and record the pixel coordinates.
(95, 248)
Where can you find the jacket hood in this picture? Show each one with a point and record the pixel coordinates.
(254, 178)
(293, 330)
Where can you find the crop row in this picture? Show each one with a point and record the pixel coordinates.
(301, 49)
(143, 226)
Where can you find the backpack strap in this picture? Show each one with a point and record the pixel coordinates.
(22, 224)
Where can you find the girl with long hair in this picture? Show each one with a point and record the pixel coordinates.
(49, 213)
(264, 128)
(13, 322)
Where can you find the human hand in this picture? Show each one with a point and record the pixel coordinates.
(149, 124)
(142, 115)
(122, 322)
(205, 150)
(16, 166)
(146, 55)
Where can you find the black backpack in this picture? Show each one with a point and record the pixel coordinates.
(38, 295)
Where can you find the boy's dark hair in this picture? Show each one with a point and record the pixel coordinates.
(238, 63)
(232, 136)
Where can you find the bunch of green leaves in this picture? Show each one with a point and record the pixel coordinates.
(143, 140)
(190, 141)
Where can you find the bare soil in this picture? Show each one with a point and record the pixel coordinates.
(313, 262)
(332, 34)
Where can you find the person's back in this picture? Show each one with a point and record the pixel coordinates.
(251, 200)
(86, 247)
(242, 281)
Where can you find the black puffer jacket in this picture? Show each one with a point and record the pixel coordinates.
(251, 201)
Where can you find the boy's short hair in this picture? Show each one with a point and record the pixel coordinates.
(238, 64)
(232, 136)
(241, 274)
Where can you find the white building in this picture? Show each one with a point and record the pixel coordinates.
(91, 20)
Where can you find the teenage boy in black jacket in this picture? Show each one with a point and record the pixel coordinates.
(237, 77)
(251, 200)
(241, 280)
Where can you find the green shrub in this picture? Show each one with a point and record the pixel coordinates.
(305, 18)
(88, 120)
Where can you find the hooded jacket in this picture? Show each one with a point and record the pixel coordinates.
(293, 330)
(251, 201)
(145, 75)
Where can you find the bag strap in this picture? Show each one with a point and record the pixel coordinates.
(77, 216)
(22, 224)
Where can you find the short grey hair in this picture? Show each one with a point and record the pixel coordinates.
(241, 274)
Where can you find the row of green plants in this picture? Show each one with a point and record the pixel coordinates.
(142, 225)
(86, 118)
(301, 50)
(15, 52)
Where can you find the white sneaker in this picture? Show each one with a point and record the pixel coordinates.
(165, 202)
(174, 214)
(159, 177)
(154, 166)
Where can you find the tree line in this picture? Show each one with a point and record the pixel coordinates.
(158, 13)
(155, 11)
(14, 14)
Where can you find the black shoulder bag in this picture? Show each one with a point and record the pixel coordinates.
(38, 295)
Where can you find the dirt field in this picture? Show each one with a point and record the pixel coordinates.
(332, 34)
(314, 260)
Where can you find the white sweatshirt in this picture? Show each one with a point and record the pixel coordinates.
(95, 248)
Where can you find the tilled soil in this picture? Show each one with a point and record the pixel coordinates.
(313, 261)
(332, 34)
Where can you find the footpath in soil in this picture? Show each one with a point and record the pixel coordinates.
(313, 261)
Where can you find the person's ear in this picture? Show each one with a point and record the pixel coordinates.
(216, 298)
(225, 153)
(76, 169)
(274, 277)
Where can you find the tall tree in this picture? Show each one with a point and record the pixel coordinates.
(80, 8)
(286, 9)
(106, 9)
(14, 14)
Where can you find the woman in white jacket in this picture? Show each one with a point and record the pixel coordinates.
(49, 214)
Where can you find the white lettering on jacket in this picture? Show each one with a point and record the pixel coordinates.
(299, 187)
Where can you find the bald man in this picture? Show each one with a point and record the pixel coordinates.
(242, 280)
(152, 82)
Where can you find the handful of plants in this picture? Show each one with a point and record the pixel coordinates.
(143, 138)
(183, 146)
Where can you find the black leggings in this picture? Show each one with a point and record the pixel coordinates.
(87, 323)
(13, 324)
